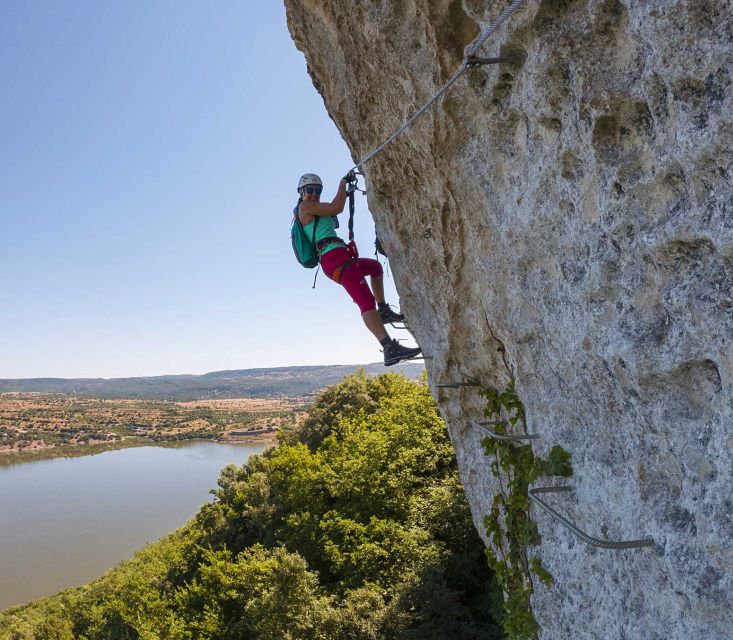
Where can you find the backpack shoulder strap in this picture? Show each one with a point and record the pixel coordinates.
(315, 226)
(296, 213)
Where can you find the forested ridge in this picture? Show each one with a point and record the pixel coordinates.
(356, 527)
(273, 382)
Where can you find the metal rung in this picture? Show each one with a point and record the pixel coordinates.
(473, 62)
(401, 326)
(456, 385)
(595, 542)
(499, 436)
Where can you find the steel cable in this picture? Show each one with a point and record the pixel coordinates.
(483, 36)
(595, 542)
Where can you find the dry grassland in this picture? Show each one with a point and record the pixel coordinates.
(32, 421)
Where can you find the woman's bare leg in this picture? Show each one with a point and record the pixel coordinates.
(374, 324)
(378, 288)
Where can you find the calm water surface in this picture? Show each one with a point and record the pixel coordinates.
(63, 522)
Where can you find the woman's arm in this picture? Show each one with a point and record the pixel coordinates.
(333, 208)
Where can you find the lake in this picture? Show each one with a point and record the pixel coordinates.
(64, 522)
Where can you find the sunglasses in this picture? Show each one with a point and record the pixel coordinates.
(314, 190)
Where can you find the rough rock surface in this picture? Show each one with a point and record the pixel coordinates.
(576, 206)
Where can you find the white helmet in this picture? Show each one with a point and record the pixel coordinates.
(308, 178)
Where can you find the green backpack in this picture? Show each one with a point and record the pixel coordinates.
(303, 246)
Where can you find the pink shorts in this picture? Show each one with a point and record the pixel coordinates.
(353, 275)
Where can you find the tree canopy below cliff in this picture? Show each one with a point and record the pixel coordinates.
(355, 527)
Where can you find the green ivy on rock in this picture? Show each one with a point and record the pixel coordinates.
(509, 525)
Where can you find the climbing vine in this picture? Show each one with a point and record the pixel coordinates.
(509, 525)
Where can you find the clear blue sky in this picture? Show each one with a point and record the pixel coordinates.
(149, 155)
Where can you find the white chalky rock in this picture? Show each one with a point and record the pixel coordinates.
(577, 208)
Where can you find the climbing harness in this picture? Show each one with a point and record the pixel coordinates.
(324, 242)
(595, 542)
(469, 62)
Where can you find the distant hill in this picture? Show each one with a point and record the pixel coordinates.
(240, 383)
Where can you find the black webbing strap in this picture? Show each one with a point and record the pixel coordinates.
(351, 213)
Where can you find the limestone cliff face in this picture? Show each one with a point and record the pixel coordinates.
(577, 208)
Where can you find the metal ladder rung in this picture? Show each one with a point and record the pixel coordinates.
(499, 436)
(595, 542)
(403, 327)
(473, 61)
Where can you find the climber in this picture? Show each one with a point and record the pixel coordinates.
(342, 264)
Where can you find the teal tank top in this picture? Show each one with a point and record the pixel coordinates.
(326, 229)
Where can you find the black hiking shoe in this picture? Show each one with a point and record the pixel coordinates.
(388, 316)
(396, 352)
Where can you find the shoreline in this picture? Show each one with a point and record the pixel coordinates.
(11, 457)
